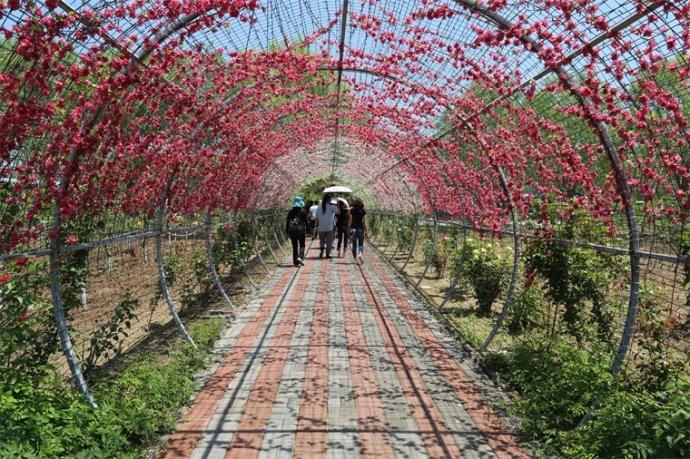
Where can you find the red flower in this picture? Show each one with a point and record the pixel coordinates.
(21, 261)
(5, 278)
(529, 279)
(24, 316)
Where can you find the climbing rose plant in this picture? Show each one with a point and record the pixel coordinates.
(89, 127)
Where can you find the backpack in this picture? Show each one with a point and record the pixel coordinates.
(296, 227)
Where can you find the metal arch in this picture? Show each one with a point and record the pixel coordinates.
(159, 262)
(244, 264)
(56, 296)
(496, 19)
(433, 246)
(616, 166)
(388, 241)
(212, 265)
(258, 255)
(378, 224)
(268, 243)
(594, 42)
(414, 205)
(341, 54)
(282, 235)
(435, 218)
(393, 224)
(59, 316)
(397, 246)
(416, 228)
(516, 264)
(458, 271)
(516, 246)
(634, 250)
(414, 241)
(431, 254)
(374, 227)
(280, 245)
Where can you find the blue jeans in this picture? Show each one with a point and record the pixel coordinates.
(357, 242)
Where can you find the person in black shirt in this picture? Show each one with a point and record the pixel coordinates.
(296, 229)
(342, 223)
(357, 228)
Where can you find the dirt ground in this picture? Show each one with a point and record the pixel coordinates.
(129, 270)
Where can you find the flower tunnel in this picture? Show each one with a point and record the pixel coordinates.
(140, 136)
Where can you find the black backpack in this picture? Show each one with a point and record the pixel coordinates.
(296, 227)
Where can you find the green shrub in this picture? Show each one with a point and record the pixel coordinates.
(44, 417)
(106, 340)
(405, 236)
(655, 360)
(577, 279)
(145, 398)
(202, 274)
(485, 269)
(635, 423)
(28, 336)
(557, 383)
(526, 311)
(442, 250)
(232, 245)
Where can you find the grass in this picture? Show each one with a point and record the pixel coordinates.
(45, 418)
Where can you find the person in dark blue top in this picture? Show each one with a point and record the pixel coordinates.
(296, 230)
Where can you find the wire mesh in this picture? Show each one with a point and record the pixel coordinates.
(452, 115)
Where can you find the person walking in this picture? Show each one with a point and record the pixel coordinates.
(342, 223)
(325, 219)
(296, 229)
(312, 218)
(357, 229)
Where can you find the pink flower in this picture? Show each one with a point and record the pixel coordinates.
(71, 239)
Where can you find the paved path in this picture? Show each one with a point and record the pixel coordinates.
(339, 360)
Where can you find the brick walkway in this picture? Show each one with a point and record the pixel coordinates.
(338, 360)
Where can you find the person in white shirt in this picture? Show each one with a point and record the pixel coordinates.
(313, 227)
(325, 218)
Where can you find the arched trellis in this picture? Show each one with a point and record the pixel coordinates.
(72, 159)
(623, 182)
(616, 167)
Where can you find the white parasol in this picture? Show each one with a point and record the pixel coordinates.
(337, 189)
